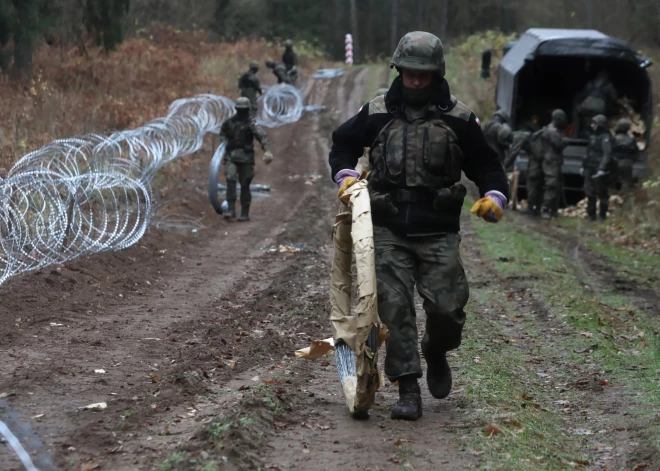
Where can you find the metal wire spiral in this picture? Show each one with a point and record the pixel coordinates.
(92, 193)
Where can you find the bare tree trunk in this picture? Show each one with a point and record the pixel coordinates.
(420, 14)
(394, 25)
(354, 30)
(444, 20)
(338, 48)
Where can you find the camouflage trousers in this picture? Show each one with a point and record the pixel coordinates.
(625, 172)
(596, 189)
(242, 173)
(433, 265)
(544, 183)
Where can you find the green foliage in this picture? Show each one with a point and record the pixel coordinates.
(174, 460)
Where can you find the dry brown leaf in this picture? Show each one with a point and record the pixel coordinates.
(492, 429)
(244, 388)
(89, 466)
(154, 378)
(527, 397)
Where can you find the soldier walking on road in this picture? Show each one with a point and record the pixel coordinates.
(250, 86)
(240, 131)
(626, 153)
(421, 137)
(596, 168)
(279, 70)
(544, 171)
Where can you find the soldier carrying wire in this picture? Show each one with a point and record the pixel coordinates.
(421, 138)
(240, 131)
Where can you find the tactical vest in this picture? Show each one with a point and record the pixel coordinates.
(240, 141)
(595, 150)
(424, 155)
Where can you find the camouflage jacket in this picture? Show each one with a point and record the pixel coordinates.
(250, 86)
(479, 162)
(290, 59)
(280, 72)
(599, 151)
(625, 147)
(240, 135)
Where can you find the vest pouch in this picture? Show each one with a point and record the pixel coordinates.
(450, 199)
(238, 156)
(442, 156)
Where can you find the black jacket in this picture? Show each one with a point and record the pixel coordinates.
(480, 161)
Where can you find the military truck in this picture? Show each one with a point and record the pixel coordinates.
(547, 68)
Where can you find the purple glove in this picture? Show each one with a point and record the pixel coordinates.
(499, 199)
(346, 173)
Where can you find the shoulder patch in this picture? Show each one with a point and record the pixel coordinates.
(460, 110)
(377, 105)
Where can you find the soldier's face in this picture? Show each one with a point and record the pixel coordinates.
(416, 78)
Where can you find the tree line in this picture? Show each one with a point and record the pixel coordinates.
(376, 25)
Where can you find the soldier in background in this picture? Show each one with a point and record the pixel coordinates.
(625, 153)
(599, 97)
(279, 70)
(289, 57)
(240, 131)
(596, 168)
(513, 142)
(250, 86)
(544, 177)
(492, 128)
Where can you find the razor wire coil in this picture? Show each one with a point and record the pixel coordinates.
(92, 193)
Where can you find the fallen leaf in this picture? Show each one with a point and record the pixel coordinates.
(89, 466)
(154, 378)
(492, 429)
(587, 334)
(527, 397)
(603, 382)
(397, 443)
(244, 387)
(63, 372)
(325, 363)
(642, 465)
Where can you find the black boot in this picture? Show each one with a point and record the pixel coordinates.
(245, 213)
(604, 207)
(438, 376)
(409, 405)
(230, 215)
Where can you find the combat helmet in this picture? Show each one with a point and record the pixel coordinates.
(420, 51)
(270, 64)
(600, 121)
(559, 118)
(288, 43)
(254, 65)
(504, 134)
(623, 126)
(242, 103)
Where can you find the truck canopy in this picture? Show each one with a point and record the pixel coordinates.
(547, 68)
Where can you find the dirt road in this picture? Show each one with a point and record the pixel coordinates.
(195, 333)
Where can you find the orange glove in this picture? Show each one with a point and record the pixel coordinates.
(488, 209)
(345, 185)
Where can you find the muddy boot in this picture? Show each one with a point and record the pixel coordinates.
(591, 209)
(245, 213)
(409, 405)
(438, 376)
(230, 215)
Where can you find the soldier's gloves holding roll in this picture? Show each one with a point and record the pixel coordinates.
(345, 179)
(268, 157)
(490, 208)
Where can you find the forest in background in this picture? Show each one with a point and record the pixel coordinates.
(376, 25)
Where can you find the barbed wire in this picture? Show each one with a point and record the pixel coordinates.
(92, 193)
